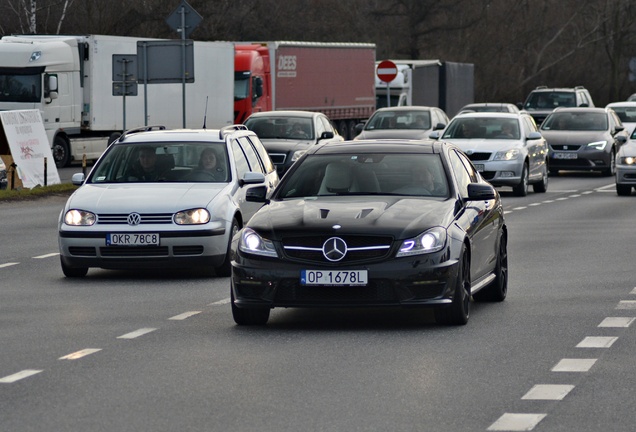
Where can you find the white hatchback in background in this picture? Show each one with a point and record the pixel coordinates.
(506, 148)
(626, 111)
(180, 214)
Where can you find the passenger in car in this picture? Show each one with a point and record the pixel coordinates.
(208, 169)
(147, 167)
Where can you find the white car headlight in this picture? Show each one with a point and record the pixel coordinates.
(192, 217)
(297, 154)
(429, 241)
(598, 145)
(627, 160)
(252, 243)
(79, 218)
(507, 155)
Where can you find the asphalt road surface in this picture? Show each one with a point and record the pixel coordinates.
(148, 351)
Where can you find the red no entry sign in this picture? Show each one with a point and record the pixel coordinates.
(387, 71)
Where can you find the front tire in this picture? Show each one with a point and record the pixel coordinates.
(248, 316)
(225, 269)
(459, 310)
(497, 290)
(623, 190)
(73, 272)
(542, 186)
(521, 189)
(61, 152)
(611, 171)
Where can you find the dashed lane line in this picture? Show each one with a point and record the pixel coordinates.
(79, 354)
(46, 255)
(548, 392)
(20, 375)
(9, 264)
(516, 422)
(617, 322)
(136, 333)
(184, 315)
(574, 365)
(597, 342)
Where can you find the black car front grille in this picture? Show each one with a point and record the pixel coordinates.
(359, 248)
(187, 250)
(479, 156)
(145, 218)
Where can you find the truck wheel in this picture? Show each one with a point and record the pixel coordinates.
(343, 130)
(61, 152)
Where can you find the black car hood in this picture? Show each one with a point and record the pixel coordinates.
(567, 137)
(400, 217)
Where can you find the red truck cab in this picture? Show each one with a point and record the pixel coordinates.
(252, 81)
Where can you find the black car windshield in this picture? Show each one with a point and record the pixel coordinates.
(576, 121)
(165, 162)
(402, 119)
(282, 127)
(483, 127)
(366, 174)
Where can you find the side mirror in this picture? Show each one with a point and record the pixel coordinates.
(621, 139)
(252, 178)
(534, 136)
(50, 86)
(481, 191)
(359, 128)
(258, 87)
(439, 126)
(326, 135)
(434, 135)
(78, 179)
(256, 194)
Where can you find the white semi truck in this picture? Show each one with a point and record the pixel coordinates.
(446, 85)
(70, 79)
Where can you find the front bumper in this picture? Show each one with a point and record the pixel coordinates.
(626, 175)
(408, 281)
(501, 173)
(589, 160)
(201, 248)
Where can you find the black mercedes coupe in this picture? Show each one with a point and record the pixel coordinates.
(393, 223)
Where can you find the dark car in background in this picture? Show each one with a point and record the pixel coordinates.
(405, 122)
(543, 100)
(288, 134)
(583, 139)
(373, 223)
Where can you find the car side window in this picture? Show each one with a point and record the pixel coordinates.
(262, 153)
(462, 175)
(320, 127)
(250, 154)
(242, 166)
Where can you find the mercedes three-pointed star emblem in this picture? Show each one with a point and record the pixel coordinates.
(334, 249)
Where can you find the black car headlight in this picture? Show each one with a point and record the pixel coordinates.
(252, 243)
(429, 241)
(79, 218)
(598, 145)
(192, 217)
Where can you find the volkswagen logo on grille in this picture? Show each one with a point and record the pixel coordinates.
(334, 249)
(134, 219)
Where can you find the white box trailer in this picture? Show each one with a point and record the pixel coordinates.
(82, 114)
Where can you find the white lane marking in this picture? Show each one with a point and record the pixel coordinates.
(519, 208)
(220, 302)
(561, 199)
(534, 204)
(633, 291)
(46, 256)
(564, 191)
(617, 322)
(574, 365)
(8, 264)
(548, 392)
(587, 192)
(602, 188)
(516, 422)
(548, 201)
(597, 342)
(79, 354)
(20, 375)
(184, 315)
(626, 304)
(136, 333)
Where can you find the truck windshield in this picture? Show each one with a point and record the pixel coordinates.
(241, 85)
(24, 85)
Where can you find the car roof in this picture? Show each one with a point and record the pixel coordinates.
(553, 89)
(142, 135)
(580, 109)
(405, 108)
(626, 104)
(380, 146)
(286, 113)
(514, 115)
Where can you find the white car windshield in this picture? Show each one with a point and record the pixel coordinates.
(165, 162)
